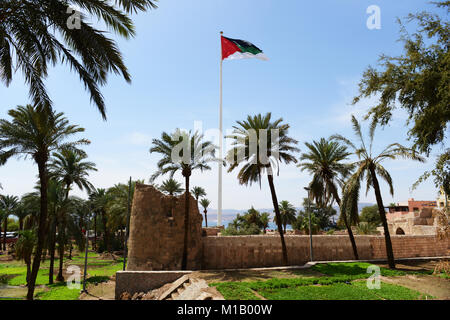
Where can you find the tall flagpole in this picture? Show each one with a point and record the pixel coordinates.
(219, 198)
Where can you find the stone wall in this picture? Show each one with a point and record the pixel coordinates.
(265, 251)
(157, 231)
(411, 246)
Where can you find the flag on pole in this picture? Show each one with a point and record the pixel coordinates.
(234, 49)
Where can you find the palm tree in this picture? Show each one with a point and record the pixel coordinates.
(369, 167)
(53, 36)
(36, 132)
(8, 205)
(287, 213)
(100, 198)
(259, 153)
(324, 161)
(205, 204)
(21, 213)
(185, 152)
(198, 192)
(68, 166)
(24, 249)
(171, 187)
(265, 219)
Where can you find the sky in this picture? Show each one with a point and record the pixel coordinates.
(318, 51)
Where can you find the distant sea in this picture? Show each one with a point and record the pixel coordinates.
(228, 215)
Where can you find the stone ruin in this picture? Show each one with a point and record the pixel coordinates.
(421, 222)
(157, 231)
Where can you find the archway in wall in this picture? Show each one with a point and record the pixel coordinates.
(399, 231)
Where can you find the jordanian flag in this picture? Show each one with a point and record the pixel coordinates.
(234, 49)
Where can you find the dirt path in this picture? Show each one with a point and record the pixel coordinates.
(432, 285)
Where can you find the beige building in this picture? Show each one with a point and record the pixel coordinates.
(412, 217)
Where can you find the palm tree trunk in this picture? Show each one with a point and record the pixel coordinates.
(5, 228)
(387, 237)
(61, 230)
(94, 244)
(43, 178)
(206, 218)
(349, 228)
(21, 224)
(186, 224)
(278, 218)
(28, 272)
(106, 233)
(52, 251)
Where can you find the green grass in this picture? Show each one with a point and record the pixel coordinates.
(356, 269)
(13, 273)
(341, 282)
(58, 291)
(235, 291)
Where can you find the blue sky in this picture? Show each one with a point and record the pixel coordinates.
(317, 51)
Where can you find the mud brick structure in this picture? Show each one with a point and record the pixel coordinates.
(157, 231)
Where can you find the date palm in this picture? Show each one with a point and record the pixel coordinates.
(68, 165)
(24, 249)
(36, 132)
(287, 212)
(183, 152)
(205, 204)
(8, 204)
(198, 192)
(171, 186)
(39, 34)
(259, 146)
(369, 168)
(100, 199)
(325, 162)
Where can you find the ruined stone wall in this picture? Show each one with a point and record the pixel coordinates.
(410, 246)
(157, 231)
(265, 251)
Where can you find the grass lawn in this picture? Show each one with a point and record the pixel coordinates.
(13, 277)
(339, 281)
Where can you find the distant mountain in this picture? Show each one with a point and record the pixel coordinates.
(229, 214)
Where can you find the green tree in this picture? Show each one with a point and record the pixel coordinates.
(325, 162)
(69, 167)
(21, 213)
(369, 167)
(418, 81)
(259, 145)
(36, 132)
(198, 192)
(302, 222)
(100, 199)
(171, 187)
(8, 204)
(205, 203)
(440, 174)
(265, 220)
(52, 36)
(183, 152)
(287, 213)
(366, 228)
(370, 214)
(24, 249)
